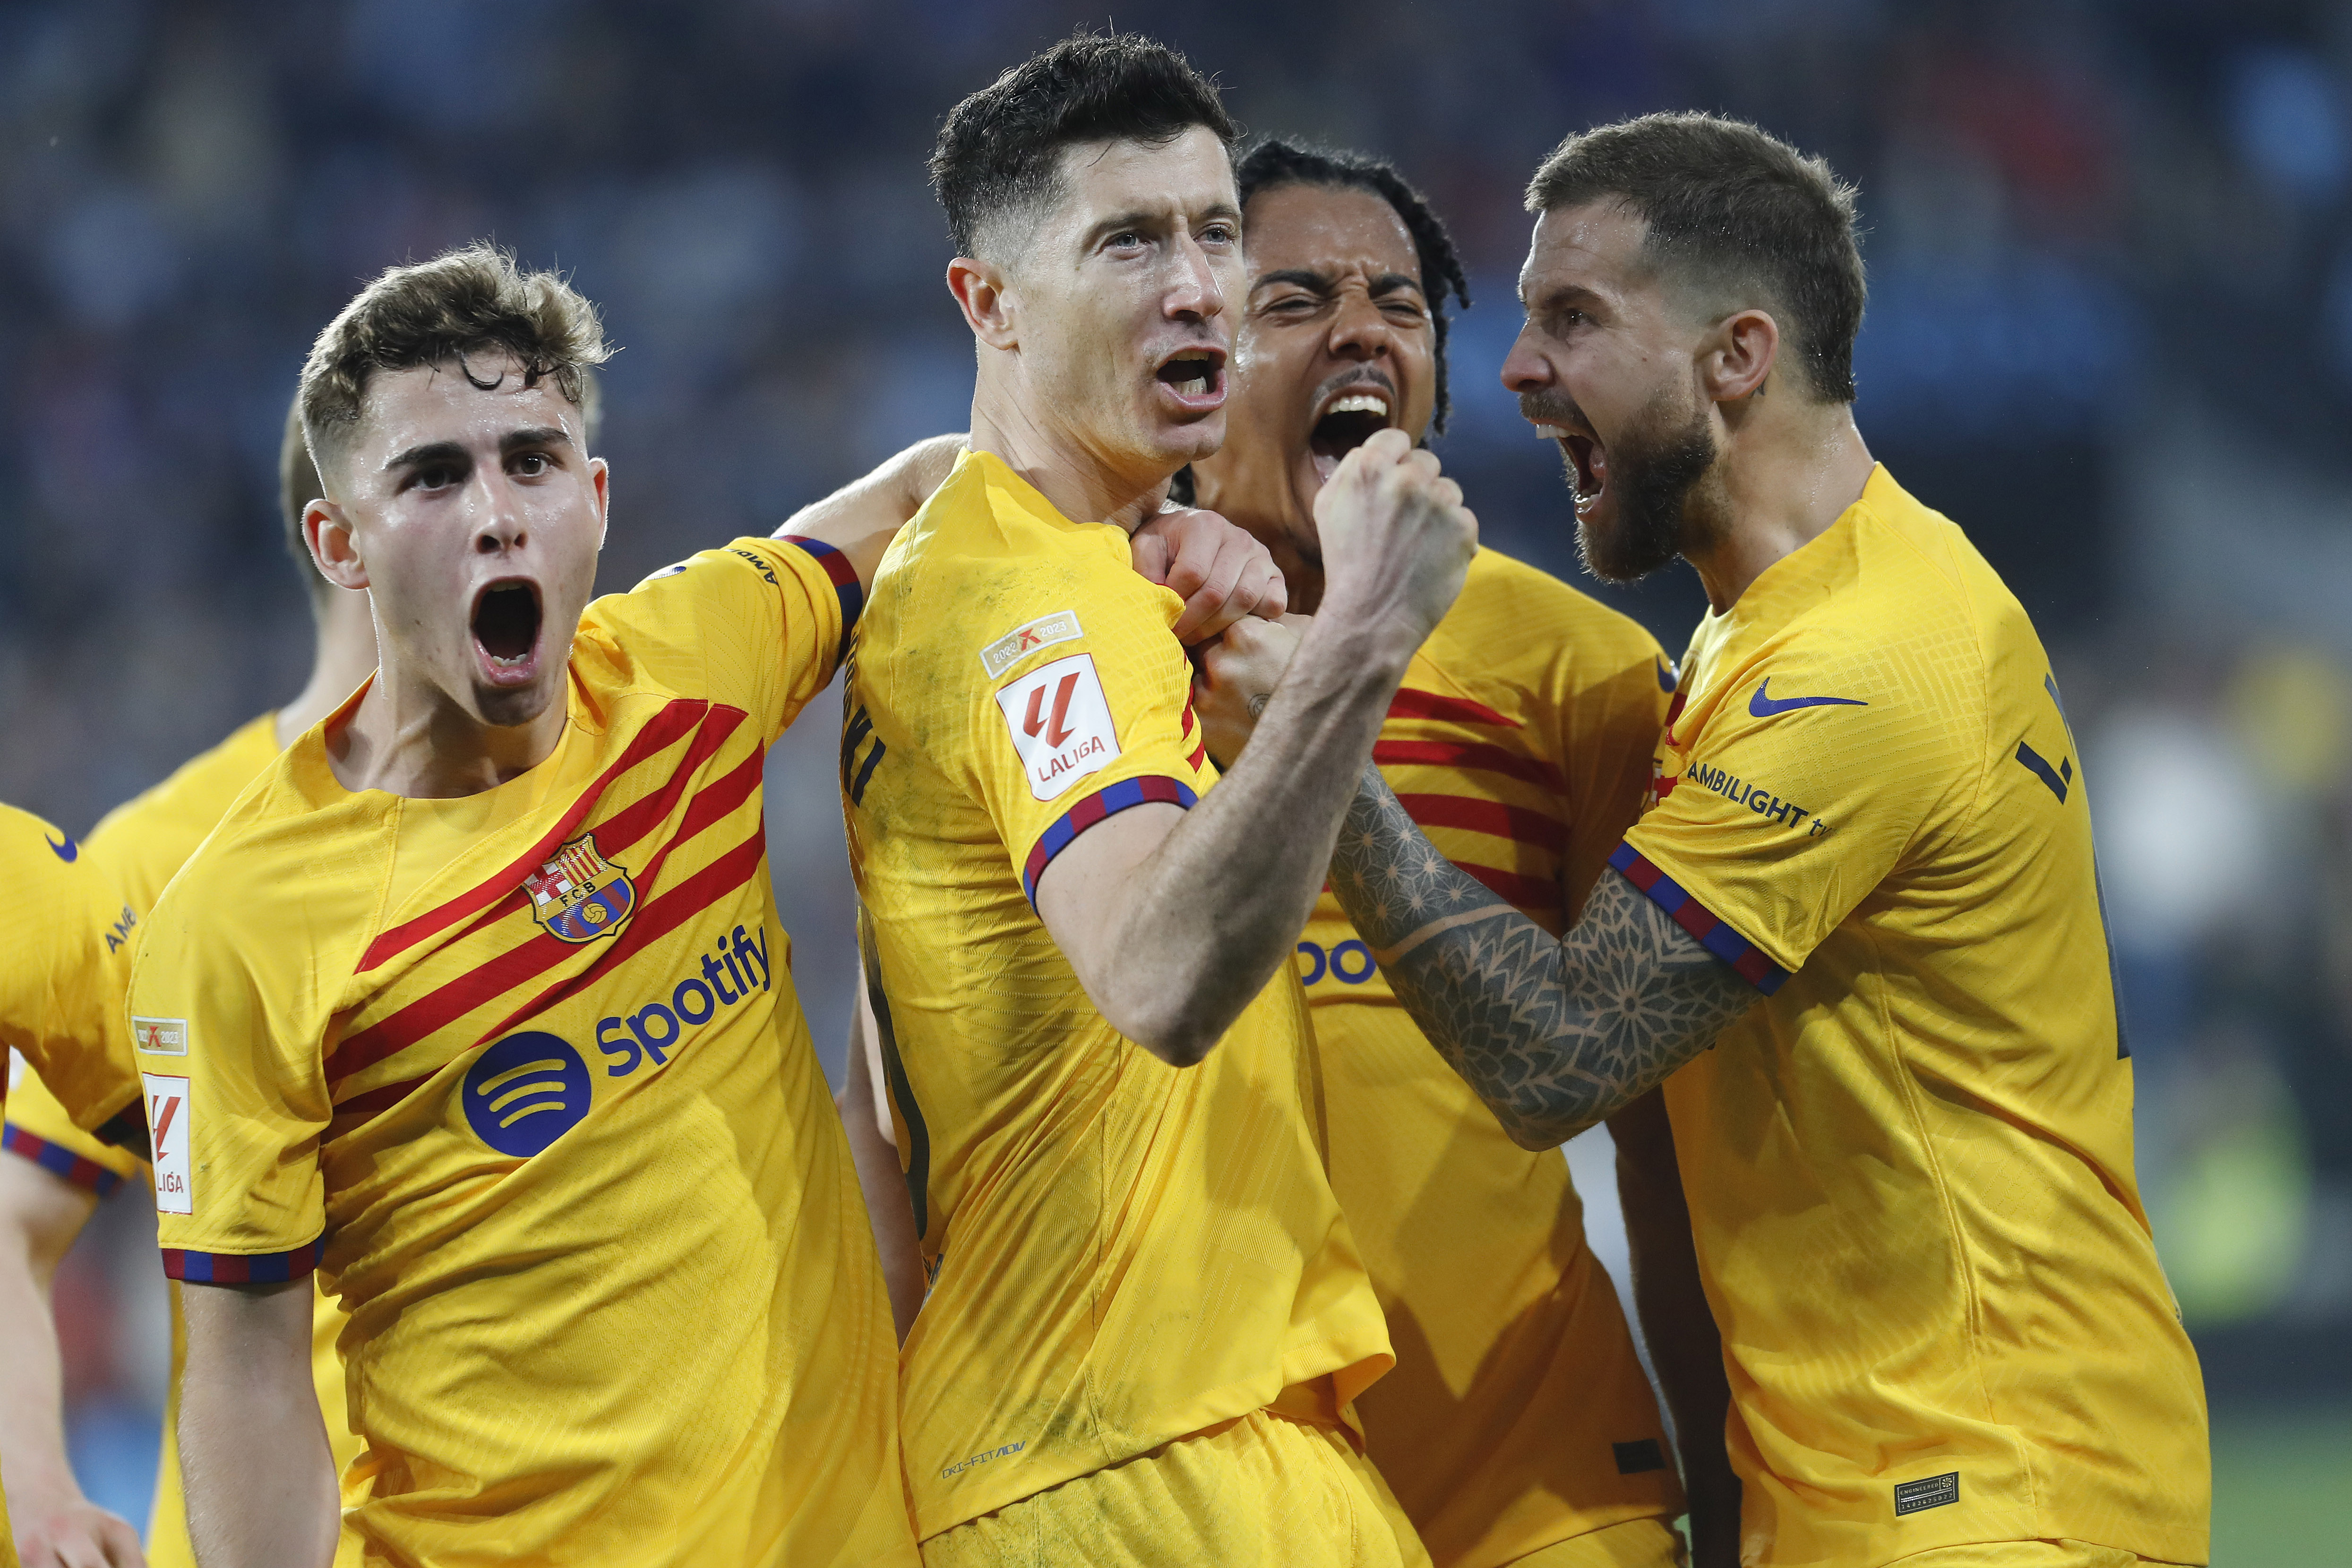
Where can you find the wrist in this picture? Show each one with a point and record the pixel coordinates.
(1349, 652)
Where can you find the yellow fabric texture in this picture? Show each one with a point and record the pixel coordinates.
(1909, 1170)
(141, 846)
(1123, 1252)
(64, 957)
(1634, 1544)
(2026, 1555)
(1518, 1414)
(1258, 1488)
(580, 1186)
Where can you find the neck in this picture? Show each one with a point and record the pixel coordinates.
(1781, 489)
(344, 652)
(407, 738)
(1059, 465)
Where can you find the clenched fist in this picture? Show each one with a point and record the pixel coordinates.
(1222, 572)
(1396, 540)
(1237, 676)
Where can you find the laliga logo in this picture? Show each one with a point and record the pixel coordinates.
(526, 1091)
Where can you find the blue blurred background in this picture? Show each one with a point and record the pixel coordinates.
(2110, 331)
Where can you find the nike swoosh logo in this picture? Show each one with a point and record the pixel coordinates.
(1666, 678)
(68, 852)
(1763, 706)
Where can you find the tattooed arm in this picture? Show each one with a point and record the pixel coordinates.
(1553, 1033)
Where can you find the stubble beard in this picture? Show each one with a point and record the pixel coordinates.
(1669, 500)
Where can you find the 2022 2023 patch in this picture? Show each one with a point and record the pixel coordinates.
(1910, 1497)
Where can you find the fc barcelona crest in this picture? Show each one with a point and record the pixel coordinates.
(578, 896)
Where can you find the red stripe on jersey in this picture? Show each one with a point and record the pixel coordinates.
(660, 731)
(663, 916)
(1187, 733)
(1477, 758)
(365, 1105)
(535, 954)
(1486, 817)
(1410, 703)
(1525, 892)
(1200, 755)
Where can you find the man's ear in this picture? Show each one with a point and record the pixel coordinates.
(328, 532)
(982, 291)
(600, 474)
(1738, 355)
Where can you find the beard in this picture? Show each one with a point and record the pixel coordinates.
(1658, 467)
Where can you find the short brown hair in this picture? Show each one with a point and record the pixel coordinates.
(1736, 212)
(463, 303)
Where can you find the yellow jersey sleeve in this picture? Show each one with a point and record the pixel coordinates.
(37, 1129)
(1607, 720)
(236, 1098)
(1074, 720)
(61, 977)
(1788, 788)
(760, 624)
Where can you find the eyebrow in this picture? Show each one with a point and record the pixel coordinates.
(1320, 282)
(1560, 294)
(451, 451)
(1140, 219)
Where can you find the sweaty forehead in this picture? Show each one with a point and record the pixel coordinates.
(403, 408)
(1327, 229)
(1177, 178)
(1596, 246)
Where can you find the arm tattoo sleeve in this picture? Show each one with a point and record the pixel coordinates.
(1553, 1033)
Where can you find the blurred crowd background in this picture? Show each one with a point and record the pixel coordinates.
(2110, 332)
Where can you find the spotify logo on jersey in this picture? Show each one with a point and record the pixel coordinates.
(526, 1091)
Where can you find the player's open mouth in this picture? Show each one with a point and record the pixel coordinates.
(506, 630)
(1353, 415)
(1587, 459)
(1196, 377)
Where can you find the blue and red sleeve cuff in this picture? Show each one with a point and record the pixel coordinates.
(1107, 802)
(843, 576)
(59, 1161)
(241, 1268)
(1701, 922)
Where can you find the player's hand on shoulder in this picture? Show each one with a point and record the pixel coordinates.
(1222, 572)
(76, 1535)
(1238, 676)
(1396, 539)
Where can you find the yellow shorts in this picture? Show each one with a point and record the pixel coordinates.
(1260, 1489)
(1632, 1544)
(2026, 1555)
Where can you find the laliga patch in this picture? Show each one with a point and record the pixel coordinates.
(1017, 644)
(1061, 724)
(160, 1037)
(168, 1119)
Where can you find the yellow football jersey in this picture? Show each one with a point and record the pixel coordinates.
(64, 957)
(1909, 1168)
(524, 1073)
(1518, 1414)
(1122, 1252)
(141, 846)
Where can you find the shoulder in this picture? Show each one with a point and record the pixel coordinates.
(144, 840)
(46, 869)
(1525, 626)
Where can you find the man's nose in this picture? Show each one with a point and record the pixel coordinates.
(1525, 368)
(497, 516)
(1196, 294)
(1360, 330)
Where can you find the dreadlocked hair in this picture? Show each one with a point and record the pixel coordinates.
(1275, 163)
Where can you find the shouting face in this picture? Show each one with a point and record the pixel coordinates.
(1336, 343)
(1604, 366)
(469, 508)
(1116, 303)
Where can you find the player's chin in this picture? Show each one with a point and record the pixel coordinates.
(1190, 439)
(504, 707)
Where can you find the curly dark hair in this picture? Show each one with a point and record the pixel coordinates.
(1275, 163)
(998, 150)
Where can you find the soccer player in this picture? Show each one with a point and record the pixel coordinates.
(62, 965)
(47, 1194)
(479, 992)
(1148, 1323)
(624, 1311)
(1865, 879)
(1517, 1424)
